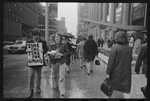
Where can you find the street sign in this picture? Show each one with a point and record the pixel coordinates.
(35, 56)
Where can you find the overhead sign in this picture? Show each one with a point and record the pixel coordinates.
(35, 56)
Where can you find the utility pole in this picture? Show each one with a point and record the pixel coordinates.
(145, 16)
(46, 22)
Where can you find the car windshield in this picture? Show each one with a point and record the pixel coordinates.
(18, 42)
(9, 43)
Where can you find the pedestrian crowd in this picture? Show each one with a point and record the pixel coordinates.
(85, 50)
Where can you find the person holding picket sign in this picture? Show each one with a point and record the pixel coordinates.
(58, 52)
(35, 57)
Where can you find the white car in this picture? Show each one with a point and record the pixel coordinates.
(7, 44)
(19, 46)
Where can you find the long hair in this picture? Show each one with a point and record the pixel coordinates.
(53, 37)
(121, 38)
(52, 43)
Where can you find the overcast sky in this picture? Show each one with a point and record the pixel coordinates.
(69, 11)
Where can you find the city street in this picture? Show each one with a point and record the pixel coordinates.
(78, 83)
(37, 27)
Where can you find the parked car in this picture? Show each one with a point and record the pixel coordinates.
(19, 46)
(7, 44)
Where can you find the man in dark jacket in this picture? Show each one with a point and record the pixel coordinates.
(37, 69)
(90, 50)
(102, 42)
(111, 42)
(108, 43)
(142, 57)
(98, 42)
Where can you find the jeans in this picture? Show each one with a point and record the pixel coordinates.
(82, 62)
(59, 76)
(31, 77)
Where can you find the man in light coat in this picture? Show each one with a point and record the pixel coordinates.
(137, 44)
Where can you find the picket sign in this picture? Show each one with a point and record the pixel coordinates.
(35, 56)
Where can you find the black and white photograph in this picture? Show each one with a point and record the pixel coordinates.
(75, 50)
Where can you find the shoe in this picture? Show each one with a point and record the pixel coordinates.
(144, 92)
(88, 73)
(30, 95)
(91, 71)
(38, 90)
(81, 67)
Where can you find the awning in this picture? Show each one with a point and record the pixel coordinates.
(90, 25)
(106, 24)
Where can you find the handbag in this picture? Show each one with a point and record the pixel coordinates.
(97, 61)
(107, 90)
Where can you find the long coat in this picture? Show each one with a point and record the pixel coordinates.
(99, 42)
(90, 50)
(119, 68)
(142, 57)
(80, 49)
(68, 61)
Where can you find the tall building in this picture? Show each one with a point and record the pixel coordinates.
(82, 14)
(19, 19)
(61, 25)
(53, 7)
(105, 19)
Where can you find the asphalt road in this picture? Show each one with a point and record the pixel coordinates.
(14, 71)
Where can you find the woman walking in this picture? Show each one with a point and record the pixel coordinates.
(119, 65)
(81, 52)
(58, 63)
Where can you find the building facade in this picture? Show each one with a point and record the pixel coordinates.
(61, 25)
(19, 19)
(82, 14)
(52, 19)
(117, 14)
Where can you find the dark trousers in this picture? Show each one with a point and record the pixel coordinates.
(101, 45)
(31, 77)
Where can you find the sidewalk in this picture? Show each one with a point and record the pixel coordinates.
(78, 83)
